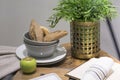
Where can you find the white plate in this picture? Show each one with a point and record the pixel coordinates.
(59, 55)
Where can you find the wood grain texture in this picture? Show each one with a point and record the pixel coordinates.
(60, 68)
(40, 71)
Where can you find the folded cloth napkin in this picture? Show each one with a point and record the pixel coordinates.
(8, 61)
(99, 70)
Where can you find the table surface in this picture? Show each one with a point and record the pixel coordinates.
(60, 68)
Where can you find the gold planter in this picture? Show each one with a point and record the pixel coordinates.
(85, 39)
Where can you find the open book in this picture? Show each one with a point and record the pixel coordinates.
(78, 72)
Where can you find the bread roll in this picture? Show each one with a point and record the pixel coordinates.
(35, 31)
(55, 35)
(32, 31)
(45, 30)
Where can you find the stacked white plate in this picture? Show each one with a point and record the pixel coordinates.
(58, 55)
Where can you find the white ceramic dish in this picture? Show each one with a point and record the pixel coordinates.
(50, 76)
(58, 55)
(38, 49)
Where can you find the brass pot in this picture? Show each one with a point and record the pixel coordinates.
(85, 39)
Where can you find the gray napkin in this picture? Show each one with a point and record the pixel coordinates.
(8, 61)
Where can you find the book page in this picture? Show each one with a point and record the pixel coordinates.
(115, 75)
(78, 72)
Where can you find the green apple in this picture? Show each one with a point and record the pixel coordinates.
(28, 65)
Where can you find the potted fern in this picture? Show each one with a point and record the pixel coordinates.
(84, 17)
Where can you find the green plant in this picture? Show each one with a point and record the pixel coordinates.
(82, 10)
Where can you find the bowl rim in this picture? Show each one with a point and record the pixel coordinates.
(33, 42)
(42, 44)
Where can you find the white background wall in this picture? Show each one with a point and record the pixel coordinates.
(15, 17)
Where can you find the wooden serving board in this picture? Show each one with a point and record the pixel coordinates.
(59, 71)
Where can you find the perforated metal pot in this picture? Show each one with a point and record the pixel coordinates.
(85, 39)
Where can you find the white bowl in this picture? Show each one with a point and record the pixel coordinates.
(40, 49)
